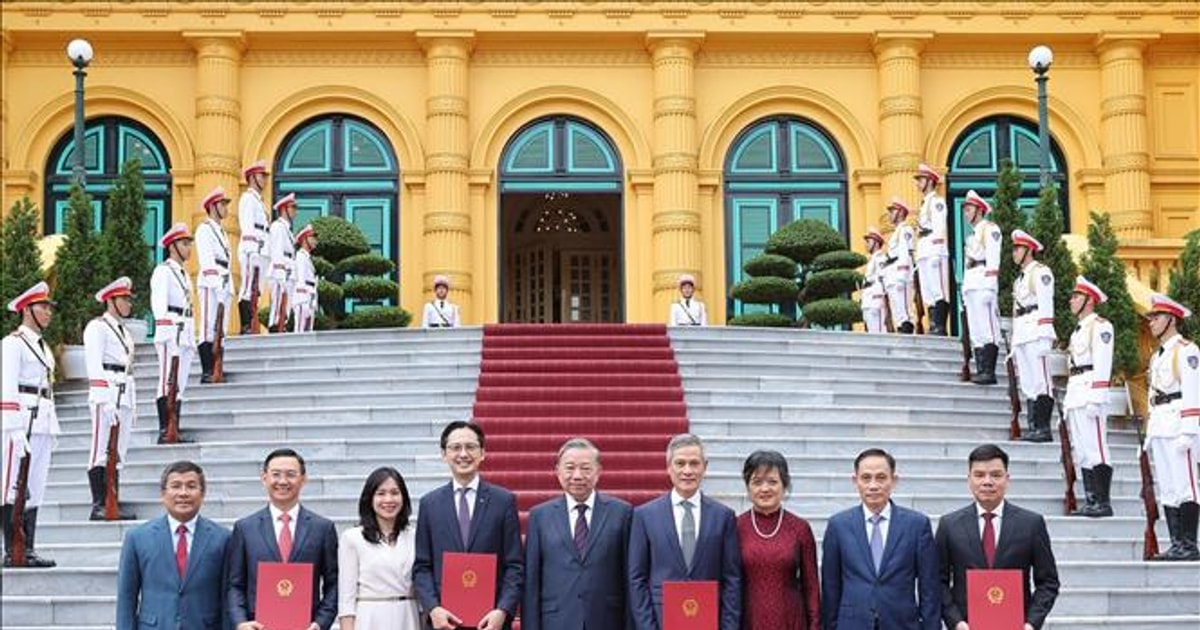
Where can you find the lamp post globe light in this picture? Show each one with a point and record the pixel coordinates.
(79, 51)
(1040, 59)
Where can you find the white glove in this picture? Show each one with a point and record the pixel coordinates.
(1095, 410)
(18, 442)
(1184, 442)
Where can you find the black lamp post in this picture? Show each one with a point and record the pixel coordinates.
(79, 51)
(1040, 59)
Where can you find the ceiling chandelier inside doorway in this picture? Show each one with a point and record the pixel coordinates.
(555, 216)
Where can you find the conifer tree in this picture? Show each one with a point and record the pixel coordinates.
(76, 280)
(1102, 266)
(20, 259)
(123, 248)
(1008, 217)
(1046, 226)
(1184, 286)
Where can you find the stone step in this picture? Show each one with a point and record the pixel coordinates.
(865, 372)
(1132, 622)
(688, 347)
(828, 424)
(281, 384)
(296, 399)
(962, 401)
(734, 335)
(927, 383)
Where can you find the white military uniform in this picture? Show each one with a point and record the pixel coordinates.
(1172, 436)
(28, 372)
(981, 283)
(440, 314)
(252, 220)
(1086, 401)
(933, 253)
(1033, 327)
(304, 306)
(174, 328)
(897, 273)
(688, 312)
(111, 392)
(212, 247)
(283, 262)
(872, 295)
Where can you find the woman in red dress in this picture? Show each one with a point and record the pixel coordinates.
(779, 554)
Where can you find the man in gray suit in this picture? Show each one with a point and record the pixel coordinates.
(575, 551)
(172, 567)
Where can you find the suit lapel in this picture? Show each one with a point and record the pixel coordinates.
(482, 501)
(167, 547)
(672, 533)
(970, 529)
(303, 525)
(560, 526)
(1011, 520)
(200, 540)
(599, 516)
(266, 528)
(451, 517)
(861, 537)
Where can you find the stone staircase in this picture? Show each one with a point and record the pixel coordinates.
(351, 401)
(822, 397)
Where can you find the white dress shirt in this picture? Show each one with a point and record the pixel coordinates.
(191, 532)
(573, 514)
(997, 520)
(884, 525)
(472, 493)
(677, 510)
(278, 523)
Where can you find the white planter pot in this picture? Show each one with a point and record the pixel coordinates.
(1006, 326)
(138, 328)
(74, 362)
(1058, 362)
(1118, 402)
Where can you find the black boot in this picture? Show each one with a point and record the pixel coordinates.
(96, 478)
(1189, 519)
(206, 361)
(1089, 492)
(6, 518)
(161, 403)
(987, 365)
(32, 560)
(1043, 407)
(244, 313)
(938, 314)
(977, 355)
(123, 513)
(1171, 516)
(906, 328)
(1102, 506)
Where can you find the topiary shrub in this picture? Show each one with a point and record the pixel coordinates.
(763, 320)
(369, 289)
(770, 265)
(365, 265)
(832, 312)
(840, 259)
(329, 295)
(1184, 285)
(378, 317)
(338, 239)
(766, 290)
(830, 283)
(322, 267)
(20, 259)
(804, 240)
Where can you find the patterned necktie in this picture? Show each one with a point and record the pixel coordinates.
(581, 528)
(876, 541)
(989, 539)
(181, 555)
(285, 537)
(464, 517)
(687, 533)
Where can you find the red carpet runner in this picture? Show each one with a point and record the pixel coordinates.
(615, 384)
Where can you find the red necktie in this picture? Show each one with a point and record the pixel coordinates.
(181, 550)
(989, 539)
(285, 537)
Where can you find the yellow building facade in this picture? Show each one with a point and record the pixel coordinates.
(566, 161)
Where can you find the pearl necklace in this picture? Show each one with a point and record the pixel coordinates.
(754, 522)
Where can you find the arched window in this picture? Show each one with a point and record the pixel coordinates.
(343, 166)
(560, 154)
(107, 144)
(778, 170)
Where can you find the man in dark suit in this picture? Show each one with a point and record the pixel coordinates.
(879, 567)
(472, 516)
(172, 568)
(575, 551)
(994, 533)
(684, 536)
(267, 536)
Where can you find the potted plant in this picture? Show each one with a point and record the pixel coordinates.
(828, 272)
(122, 246)
(20, 260)
(772, 282)
(76, 283)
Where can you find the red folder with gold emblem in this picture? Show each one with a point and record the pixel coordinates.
(283, 596)
(690, 606)
(469, 585)
(995, 599)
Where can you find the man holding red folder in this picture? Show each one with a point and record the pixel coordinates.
(992, 533)
(684, 536)
(468, 515)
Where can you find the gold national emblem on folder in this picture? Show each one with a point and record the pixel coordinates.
(469, 579)
(284, 588)
(995, 595)
(691, 607)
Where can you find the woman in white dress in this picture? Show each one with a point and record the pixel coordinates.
(375, 559)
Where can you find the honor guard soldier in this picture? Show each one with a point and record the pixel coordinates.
(439, 312)
(898, 266)
(30, 422)
(304, 308)
(981, 281)
(1033, 333)
(1173, 437)
(933, 254)
(1091, 350)
(872, 296)
(282, 248)
(111, 398)
(688, 311)
(252, 249)
(212, 247)
(174, 329)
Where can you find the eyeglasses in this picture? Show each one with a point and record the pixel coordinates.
(469, 447)
(290, 475)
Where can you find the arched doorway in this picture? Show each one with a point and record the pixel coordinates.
(778, 170)
(107, 144)
(341, 165)
(560, 224)
(975, 161)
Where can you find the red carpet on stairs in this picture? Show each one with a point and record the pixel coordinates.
(615, 384)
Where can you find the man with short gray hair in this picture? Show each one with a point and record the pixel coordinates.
(684, 536)
(575, 550)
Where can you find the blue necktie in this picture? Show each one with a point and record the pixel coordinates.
(876, 541)
(464, 517)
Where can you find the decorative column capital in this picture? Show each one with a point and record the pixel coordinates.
(1123, 45)
(229, 44)
(674, 43)
(890, 44)
(457, 43)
